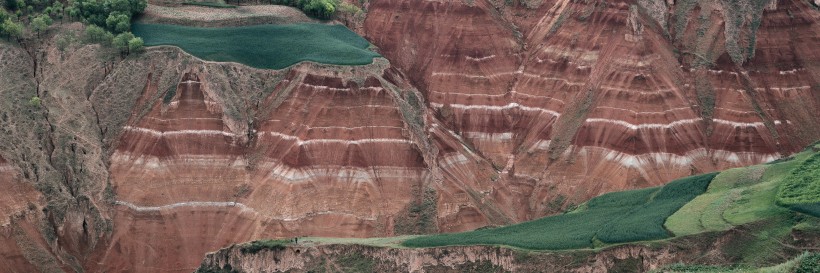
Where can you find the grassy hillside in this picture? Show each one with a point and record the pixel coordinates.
(766, 195)
(618, 217)
(264, 46)
(745, 195)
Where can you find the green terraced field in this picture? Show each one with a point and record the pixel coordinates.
(738, 196)
(264, 46)
(617, 217)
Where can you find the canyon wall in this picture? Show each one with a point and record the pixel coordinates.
(481, 113)
(571, 99)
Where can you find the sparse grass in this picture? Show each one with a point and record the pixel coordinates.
(356, 262)
(611, 218)
(264, 46)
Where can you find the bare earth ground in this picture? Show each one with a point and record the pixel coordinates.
(213, 17)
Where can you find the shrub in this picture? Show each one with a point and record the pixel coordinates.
(11, 29)
(95, 34)
(120, 42)
(322, 9)
(41, 23)
(135, 45)
(809, 264)
(118, 22)
(114, 14)
(34, 101)
(256, 246)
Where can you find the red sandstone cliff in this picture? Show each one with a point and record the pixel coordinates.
(482, 114)
(570, 99)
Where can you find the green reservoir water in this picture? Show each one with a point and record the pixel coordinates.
(263, 46)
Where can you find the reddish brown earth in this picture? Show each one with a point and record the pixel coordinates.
(481, 114)
(570, 99)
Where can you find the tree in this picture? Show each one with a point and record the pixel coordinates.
(3, 16)
(95, 34)
(57, 10)
(40, 23)
(11, 4)
(35, 102)
(65, 41)
(121, 41)
(12, 29)
(118, 22)
(73, 12)
(135, 45)
(137, 6)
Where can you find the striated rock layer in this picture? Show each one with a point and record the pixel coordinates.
(571, 99)
(248, 154)
(483, 113)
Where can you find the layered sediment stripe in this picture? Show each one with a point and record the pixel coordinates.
(684, 159)
(242, 207)
(287, 174)
(507, 107)
(158, 133)
(672, 124)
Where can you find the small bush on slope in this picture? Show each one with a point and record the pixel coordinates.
(809, 264)
(256, 246)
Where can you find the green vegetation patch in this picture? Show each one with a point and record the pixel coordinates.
(264, 46)
(809, 263)
(610, 218)
(740, 196)
(645, 222)
(256, 246)
(802, 186)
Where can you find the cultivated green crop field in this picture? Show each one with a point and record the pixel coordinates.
(263, 46)
(618, 217)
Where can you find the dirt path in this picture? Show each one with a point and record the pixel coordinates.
(214, 17)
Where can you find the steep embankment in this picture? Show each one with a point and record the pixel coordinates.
(570, 99)
(731, 219)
